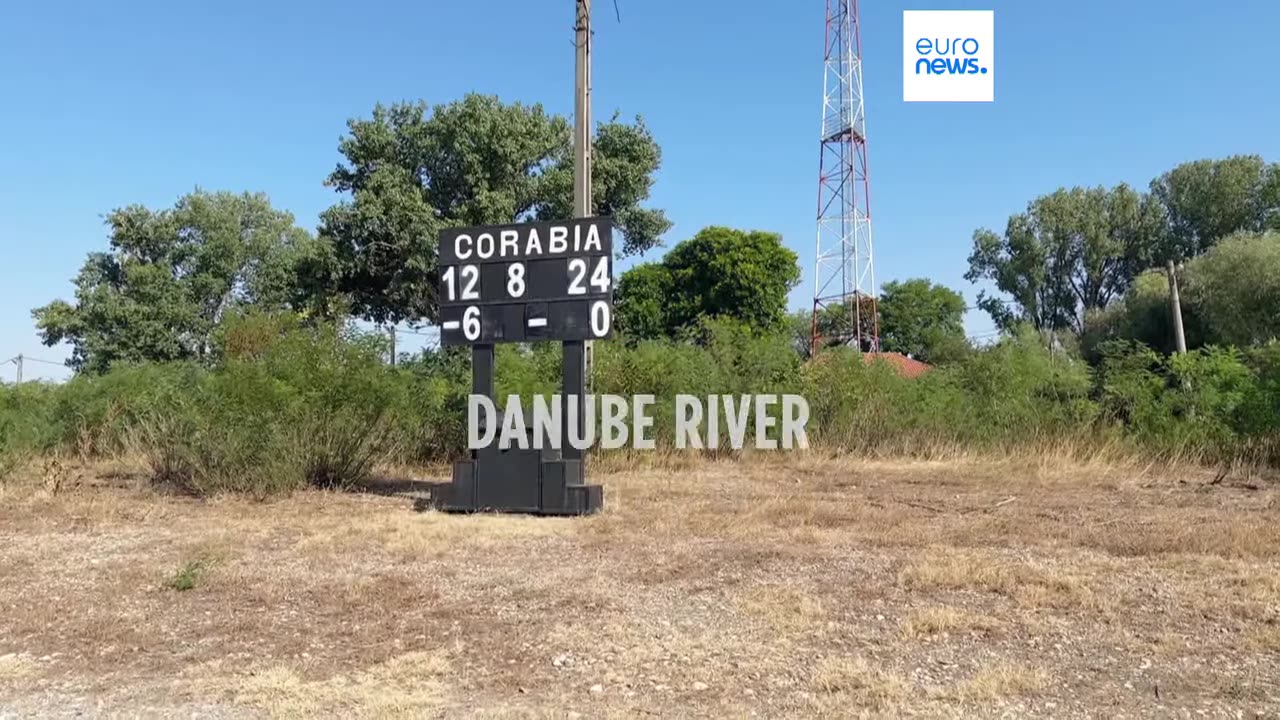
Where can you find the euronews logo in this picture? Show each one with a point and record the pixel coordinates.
(952, 56)
(948, 56)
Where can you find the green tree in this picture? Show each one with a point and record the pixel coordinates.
(640, 301)
(917, 315)
(799, 327)
(1229, 297)
(1143, 315)
(1069, 253)
(476, 161)
(170, 276)
(1206, 200)
(1235, 289)
(737, 274)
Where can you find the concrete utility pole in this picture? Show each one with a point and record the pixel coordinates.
(582, 150)
(582, 111)
(576, 363)
(1175, 304)
(18, 360)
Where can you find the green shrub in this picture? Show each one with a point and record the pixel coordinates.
(1011, 393)
(288, 406)
(26, 425)
(227, 432)
(311, 406)
(1206, 403)
(433, 419)
(188, 576)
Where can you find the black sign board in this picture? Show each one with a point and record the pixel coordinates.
(527, 282)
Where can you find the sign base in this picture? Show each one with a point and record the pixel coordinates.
(519, 481)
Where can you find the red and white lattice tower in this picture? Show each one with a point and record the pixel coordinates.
(844, 278)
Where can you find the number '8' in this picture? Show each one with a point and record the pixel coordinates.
(515, 279)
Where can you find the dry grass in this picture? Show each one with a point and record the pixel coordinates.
(780, 586)
(999, 682)
(787, 610)
(930, 621)
(1033, 585)
(405, 686)
(14, 667)
(859, 682)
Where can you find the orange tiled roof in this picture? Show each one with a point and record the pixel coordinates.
(905, 366)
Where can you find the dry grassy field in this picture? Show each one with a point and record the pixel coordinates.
(791, 587)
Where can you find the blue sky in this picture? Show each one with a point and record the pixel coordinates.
(106, 104)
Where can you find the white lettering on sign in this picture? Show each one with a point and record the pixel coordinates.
(510, 241)
(460, 242)
(606, 416)
(528, 242)
(559, 240)
(593, 238)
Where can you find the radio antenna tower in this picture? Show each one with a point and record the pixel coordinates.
(843, 277)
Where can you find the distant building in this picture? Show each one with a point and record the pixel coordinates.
(905, 366)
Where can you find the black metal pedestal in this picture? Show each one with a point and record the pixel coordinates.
(520, 481)
(541, 482)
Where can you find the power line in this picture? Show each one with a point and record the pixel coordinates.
(419, 334)
(27, 358)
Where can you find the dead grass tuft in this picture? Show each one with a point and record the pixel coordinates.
(1029, 585)
(860, 682)
(413, 536)
(1266, 639)
(950, 570)
(785, 609)
(1002, 681)
(940, 620)
(14, 666)
(404, 686)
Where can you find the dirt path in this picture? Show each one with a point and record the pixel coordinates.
(789, 588)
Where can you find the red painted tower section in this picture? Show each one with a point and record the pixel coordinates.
(844, 283)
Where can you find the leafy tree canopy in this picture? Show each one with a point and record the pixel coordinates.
(1230, 296)
(408, 173)
(1207, 200)
(641, 301)
(1235, 289)
(1070, 252)
(917, 316)
(171, 275)
(737, 274)
(1073, 252)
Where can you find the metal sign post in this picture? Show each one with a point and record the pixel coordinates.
(525, 283)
